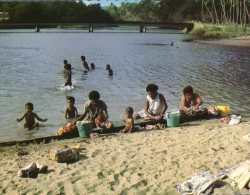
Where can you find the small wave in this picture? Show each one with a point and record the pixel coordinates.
(66, 88)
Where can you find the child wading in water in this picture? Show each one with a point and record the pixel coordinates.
(30, 117)
(129, 121)
(71, 110)
(85, 64)
(67, 75)
(109, 70)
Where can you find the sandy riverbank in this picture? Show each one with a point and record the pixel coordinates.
(238, 41)
(148, 162)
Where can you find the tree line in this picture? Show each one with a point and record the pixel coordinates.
(54, 11)
(211, 11)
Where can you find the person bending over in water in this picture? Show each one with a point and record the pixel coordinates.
(190, 101)
(110, 71)
(30, 117)
(155, 105)
(129, 121)
(96, 111)
(71, 110)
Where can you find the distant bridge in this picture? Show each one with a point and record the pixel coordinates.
(92, 25)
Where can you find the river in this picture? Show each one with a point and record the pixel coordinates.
(32, 63)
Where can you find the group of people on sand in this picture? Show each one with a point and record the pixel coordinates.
(96, 110)
(67, 72)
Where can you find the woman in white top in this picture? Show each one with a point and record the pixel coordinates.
(155, 105)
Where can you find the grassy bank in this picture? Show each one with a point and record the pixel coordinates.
(215, 31)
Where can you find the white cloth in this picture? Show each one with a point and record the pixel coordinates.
(234, 120)
(155, 106)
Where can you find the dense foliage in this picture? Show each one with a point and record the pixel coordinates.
(212, 11)
(54, 11)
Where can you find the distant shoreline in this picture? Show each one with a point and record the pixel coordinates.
(243, 41)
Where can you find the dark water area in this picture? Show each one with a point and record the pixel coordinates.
(32, 63)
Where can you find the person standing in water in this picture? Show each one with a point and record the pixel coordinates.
(67, 75)
(109, 70)
(85, 64)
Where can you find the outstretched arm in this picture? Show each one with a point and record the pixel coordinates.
(40, 119)
(20, 119)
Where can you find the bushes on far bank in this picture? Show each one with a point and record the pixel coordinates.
(204, 30)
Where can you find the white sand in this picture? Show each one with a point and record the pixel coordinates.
(149, 162)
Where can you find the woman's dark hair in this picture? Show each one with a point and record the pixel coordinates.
(188, 89)
(152, 88)
(94, 95)
(29, 105)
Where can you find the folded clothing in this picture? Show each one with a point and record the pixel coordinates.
(32, 170)
(235, 120)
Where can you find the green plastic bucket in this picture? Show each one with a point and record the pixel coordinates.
(173, 119)
(84, 129)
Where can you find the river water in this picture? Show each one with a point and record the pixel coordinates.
(32, 63)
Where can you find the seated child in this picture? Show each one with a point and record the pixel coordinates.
(129, 121)
(30, 117)
(71, 110)
(190, 101)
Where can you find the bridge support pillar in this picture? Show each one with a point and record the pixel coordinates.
(143, 29)
(91, 28)
(37, 29)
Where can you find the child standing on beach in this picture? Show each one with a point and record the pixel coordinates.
(71, 110)
(30, 117)
(129, 121)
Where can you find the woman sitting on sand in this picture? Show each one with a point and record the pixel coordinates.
(190, 101)
(155, 105)
(96, 111)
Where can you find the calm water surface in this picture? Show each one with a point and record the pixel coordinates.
(31, 70)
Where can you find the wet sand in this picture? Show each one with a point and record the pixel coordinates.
(146, 162)
(243, 41)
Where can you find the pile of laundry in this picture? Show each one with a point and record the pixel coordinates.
(204, 183)
(231, 119)
(62, 154)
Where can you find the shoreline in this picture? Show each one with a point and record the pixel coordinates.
(149, 162)
(241, 41)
